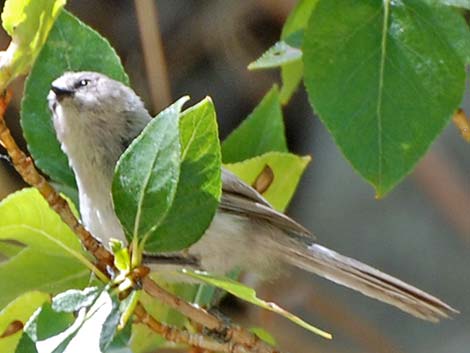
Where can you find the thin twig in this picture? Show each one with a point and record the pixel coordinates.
(155, 64)
(176, 335)
(201, 316)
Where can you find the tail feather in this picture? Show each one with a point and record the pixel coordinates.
(367, 280)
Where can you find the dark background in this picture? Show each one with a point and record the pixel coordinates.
(420, 232)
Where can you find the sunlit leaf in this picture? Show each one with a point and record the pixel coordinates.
(28, 22)
(74, 299)
(248, 294)
(53, 259)
(287, 169)
(279, 54)
(20, 310)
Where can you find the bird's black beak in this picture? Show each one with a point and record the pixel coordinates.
(61, 92)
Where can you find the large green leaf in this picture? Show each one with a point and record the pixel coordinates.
(71, 46)
(248, 294)
(52, 260)
(147, 174)
(262, 131)
(19, 310)
(385, 80)
(287, 169)
(199, 185)
(28, 23)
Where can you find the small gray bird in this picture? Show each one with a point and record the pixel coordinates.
(96, 118)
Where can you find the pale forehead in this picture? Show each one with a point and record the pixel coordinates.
(71, 77)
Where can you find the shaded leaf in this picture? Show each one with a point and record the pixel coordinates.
(361, 74)
(262, 131)
(71, 46)
(26, 217)
(248, 294)
(292, 73)
(147, 174)
(287, 169)
(199, 185)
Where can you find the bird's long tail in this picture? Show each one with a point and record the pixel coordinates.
(365, 279)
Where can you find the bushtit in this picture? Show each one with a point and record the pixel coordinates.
(95, 119)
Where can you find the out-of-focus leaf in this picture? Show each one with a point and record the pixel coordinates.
(364, 60)
(287, 169)
(53, 260)
(279, 54)
(28, 22)
(264, 335)
(262, 131)
(199, 185)
(19, 310)
(248, 294)
(70, 46)
(147, 174)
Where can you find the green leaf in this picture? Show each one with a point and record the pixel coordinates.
(262, 131)
(364, 61)
(122, 258)
(279, 54)
(147, 174)
(248, 294)
(27, 218)
(46, 323)
(199, 185)
(292, 73)
(26, 345)
(20, 310)
(298, 18)
(264, 335)
(287, 169)
(71, 46)
(465, 4)
(74, 299)
(28, 22)
(93, 326)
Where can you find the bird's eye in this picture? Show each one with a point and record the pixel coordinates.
(82, 83)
